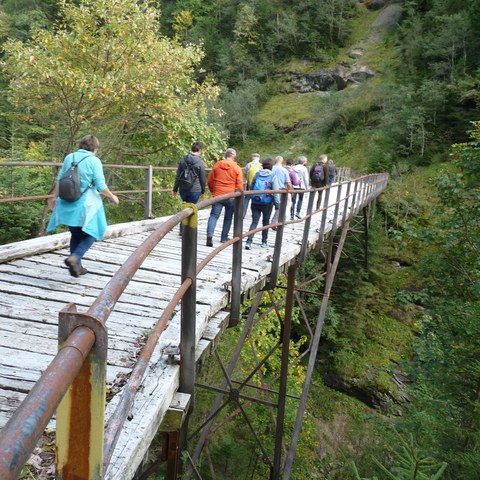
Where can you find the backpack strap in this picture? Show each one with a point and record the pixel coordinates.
(76, 165)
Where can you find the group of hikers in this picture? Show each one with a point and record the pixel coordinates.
(270, 174)
(76, 200)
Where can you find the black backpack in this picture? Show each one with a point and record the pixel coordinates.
(187, 177)
(69, 184)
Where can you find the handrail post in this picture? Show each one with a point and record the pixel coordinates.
(189, 305)
(345, 206)
(81, 413)
(235, 300)
(278, 242)
(306, 230)
(334, 227)
(321, 233)
(188, 319)
(147, 209)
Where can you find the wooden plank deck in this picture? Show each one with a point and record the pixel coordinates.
(35, 286)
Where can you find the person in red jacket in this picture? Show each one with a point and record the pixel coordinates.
(226, 177)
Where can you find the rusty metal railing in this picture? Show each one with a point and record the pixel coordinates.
(74, 382)
(148, 190)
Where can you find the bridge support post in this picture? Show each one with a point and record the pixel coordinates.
(282, 394)
(321, 234)
(366, 220)
(81, 413)
(147, 208)
(306, 230)
(189, 303)
(235, 300)
(187, 333)
(278, 243)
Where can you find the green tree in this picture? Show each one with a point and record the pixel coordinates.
(106, 69)
(241, 109)
(444, 413)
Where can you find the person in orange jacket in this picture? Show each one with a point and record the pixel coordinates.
(226, 177)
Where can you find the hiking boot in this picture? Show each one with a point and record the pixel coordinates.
(225, 240)
(209, 242)
(73, 267)
(83, 271)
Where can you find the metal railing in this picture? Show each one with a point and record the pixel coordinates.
(75, 379)
(148, 189)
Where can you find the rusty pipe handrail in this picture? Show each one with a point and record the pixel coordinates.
(50, 388)
(21, 433)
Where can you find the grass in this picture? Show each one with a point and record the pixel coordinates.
(288, 109)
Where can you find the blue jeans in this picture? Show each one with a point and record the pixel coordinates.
(227, 221)
(257, 210)
(80, 242)
(299, 204)
(189, 197)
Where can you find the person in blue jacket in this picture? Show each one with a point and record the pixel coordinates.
(84, 217)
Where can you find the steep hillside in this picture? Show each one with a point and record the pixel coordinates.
(326, 107)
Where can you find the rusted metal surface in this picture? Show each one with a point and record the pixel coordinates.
(23, 430)
(236, 291)
(79, 443)
(188, 311)
(313, 355)
(286, 332)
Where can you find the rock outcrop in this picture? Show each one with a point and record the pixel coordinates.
(342, 76)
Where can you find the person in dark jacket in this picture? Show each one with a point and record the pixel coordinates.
(332, 172)
(197, 189)
(193, 193)
(319, 176)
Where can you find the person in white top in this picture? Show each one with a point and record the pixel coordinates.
(302, 173)
(283, 181)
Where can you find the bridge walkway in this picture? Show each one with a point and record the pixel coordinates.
(35, 286)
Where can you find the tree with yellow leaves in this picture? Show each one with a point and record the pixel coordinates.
(107, 70)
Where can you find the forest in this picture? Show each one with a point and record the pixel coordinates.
(379, 86)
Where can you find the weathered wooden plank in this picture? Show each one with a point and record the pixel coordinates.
(119, 338)
(146, 284)
(59, 240)
(142, 309)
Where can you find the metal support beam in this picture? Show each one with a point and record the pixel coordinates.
(147, 208)
(366, 214)
(81, 413)
(306, 230)
(171, 426)
(286, 332)
(189, 304)
(313, 357)
(278, 244)
(235, 300)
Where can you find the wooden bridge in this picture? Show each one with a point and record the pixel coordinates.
(165, 297)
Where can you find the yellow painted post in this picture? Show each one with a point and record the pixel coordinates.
(81, 414)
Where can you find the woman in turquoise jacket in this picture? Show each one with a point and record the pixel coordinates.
(84, 217)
